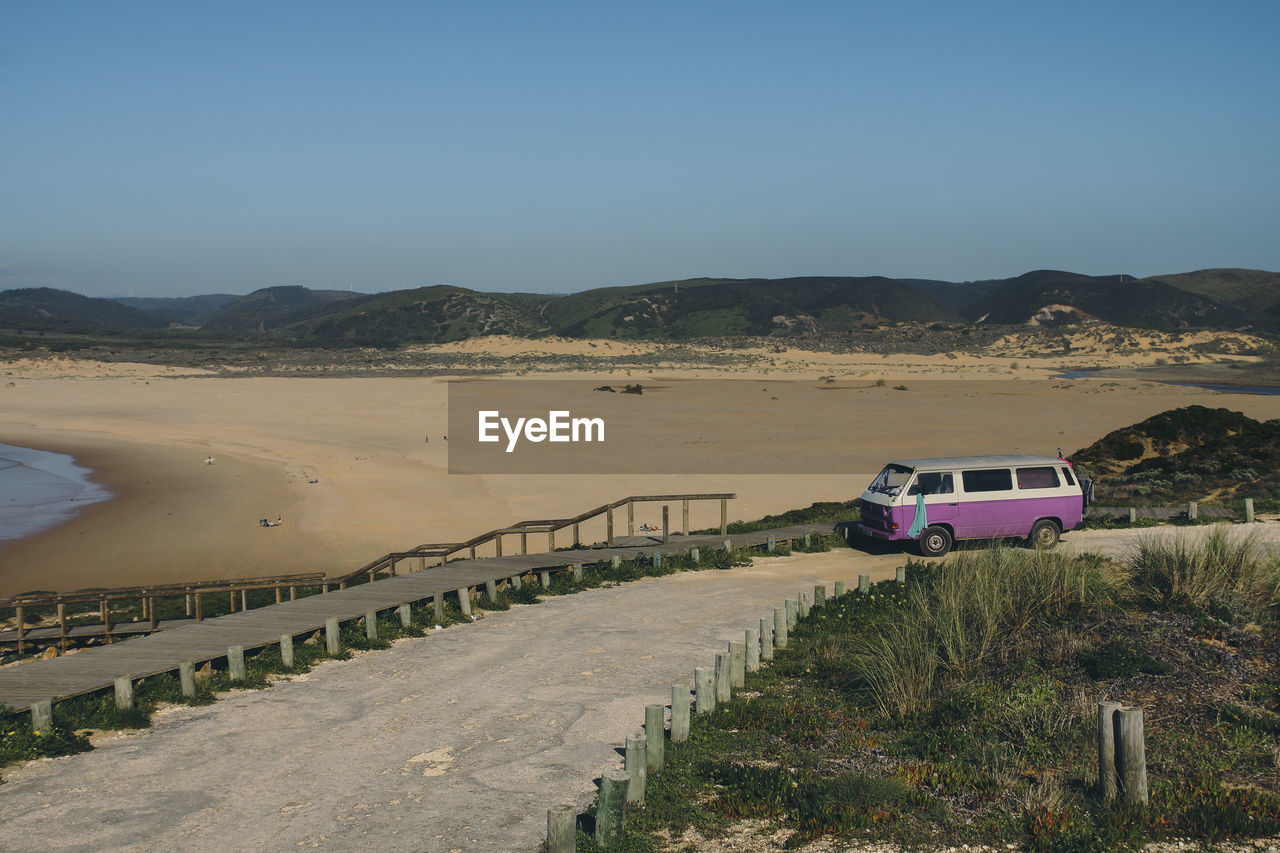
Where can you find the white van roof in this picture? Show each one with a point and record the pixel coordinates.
(978, 461)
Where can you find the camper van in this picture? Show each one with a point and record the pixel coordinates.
(937, 502)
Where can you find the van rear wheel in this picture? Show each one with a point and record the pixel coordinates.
(935, 541)
(1044, 534)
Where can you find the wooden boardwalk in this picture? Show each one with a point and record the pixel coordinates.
(97, 668)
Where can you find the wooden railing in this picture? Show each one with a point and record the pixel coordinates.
(195, 594)
(550, 526)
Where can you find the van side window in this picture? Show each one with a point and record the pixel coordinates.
(933, 484)
(1037, 478)
(1066, 472)
(991, 480)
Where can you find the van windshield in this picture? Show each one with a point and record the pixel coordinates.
(891, 480)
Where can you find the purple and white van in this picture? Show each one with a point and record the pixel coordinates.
(936, 502)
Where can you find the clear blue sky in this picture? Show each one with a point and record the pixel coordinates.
(180, 148)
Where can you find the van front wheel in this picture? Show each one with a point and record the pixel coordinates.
(935, 541)
(1044, 534)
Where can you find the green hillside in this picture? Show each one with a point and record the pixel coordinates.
(1192, 453)
(1255, 293)
(47, 309)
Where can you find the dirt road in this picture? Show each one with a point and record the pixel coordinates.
(457, 741)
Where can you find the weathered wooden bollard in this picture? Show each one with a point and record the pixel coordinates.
(704, 686)
(1131, 756)
(235, 663)
(437, 605)
(370, 625)
(544, 578)
(808, 542)
(779, 628)
(562, 829)
(636, 760)
(752, 642)
(515, 581)
(728, 544)
(405, 614)
(1133, 515)
(666, 525)
(616, 561)
(839, 589)
(577, 571)
(793, 612)
(819, 595)
(42, 716)
(464, 601)
(681, 698)
(1193, 510)
(771, 545)
(737, 664)
(655, 737)
(187, 677)
(1248, 510)
(802, 605)
(491, 591)
(332, 641)
(124, 692)
(286, 651)
(1107, 750)
(766, 639)
(901, 575)
(611, 808)
(695, 556)
(724, 687)
(864, 584)
(657, 559)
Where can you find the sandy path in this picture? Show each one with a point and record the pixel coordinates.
(456, 741)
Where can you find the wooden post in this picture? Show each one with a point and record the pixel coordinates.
(235, 663)
(187, 598)
(332, 640)
(802, 605)
(695, 556)
(1248, 510)
(655, 737)
(324, 588)
(636, 760)
(286, 651)
(737, 664)
(491, 591)
(106, 622)
(792, 609)
(724, 516)
(278, 597)
(808, 541)
(464, 601)
(753, 650)
(631, 519)
(231, 601)
(151, 613)
(657, 559)
(515, 581)
(405, 614)
(681, 697)
(187, 678)
(724, 689)
(524, 543)
(839, 591)
(771, 545)
(685, 513)
(62, 625)
(728, 544)
(370, 625)
(21, 645)
(437, 599)
(819, 594)
(864, 584)
(551, 540)
(497, 543)
(199, 614)
(766, 639)
(562, 829)
(901, 574)
(577, 539)
(615, 561)
(42, 716)
(471, 551)
(577, 571)
(1193, 512)
(1107, 750)
(124, 692)
(1133, 515)
(608, 526)
(779, 628)
(704, 688)
(611, 808)
(666, 525)
(544, 579)
(1131, 756)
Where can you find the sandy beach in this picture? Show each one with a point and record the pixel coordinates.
(381, 485)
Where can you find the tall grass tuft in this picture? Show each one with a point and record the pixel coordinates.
(967, 609)
(1217, 569)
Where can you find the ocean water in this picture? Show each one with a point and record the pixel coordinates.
(40, 490)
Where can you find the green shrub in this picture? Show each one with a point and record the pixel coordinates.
(1116, 660)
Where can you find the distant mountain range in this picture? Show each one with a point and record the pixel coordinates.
(673, 310)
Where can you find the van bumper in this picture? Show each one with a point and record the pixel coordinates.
(874, 533)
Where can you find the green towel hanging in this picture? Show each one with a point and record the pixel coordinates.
(921, 521)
